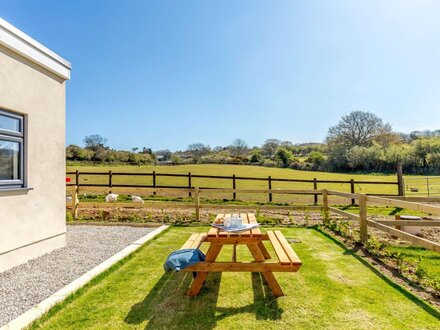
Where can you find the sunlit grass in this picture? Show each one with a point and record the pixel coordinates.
(334, 289)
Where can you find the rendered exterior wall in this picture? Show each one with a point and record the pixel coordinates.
(33, 223)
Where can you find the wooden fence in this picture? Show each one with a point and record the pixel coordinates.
(386, 225)
(362, 218)
(233, 179)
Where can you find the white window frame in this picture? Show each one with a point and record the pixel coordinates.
(19, 137)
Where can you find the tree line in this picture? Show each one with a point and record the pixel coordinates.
(359, 142)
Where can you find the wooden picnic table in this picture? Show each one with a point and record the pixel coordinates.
(254, 239)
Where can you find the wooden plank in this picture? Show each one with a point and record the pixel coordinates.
(287, 248)
(245, 218)
(198, 241)
(149, 205)
(253, 220)
(256, 252)
(363, 227)
(197, 283)
(263, 250)
(421, 223)
(265, 191)
(416, 199)
(344, 213)
(131, 205)
(197, 203)
(188, 244)
(406, 236)
(281, 254)
(342, 194)
(425, 208)
(213, 232)
(241, 267)
(273, 284)
(234, 239)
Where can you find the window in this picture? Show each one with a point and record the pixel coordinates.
(11, 150)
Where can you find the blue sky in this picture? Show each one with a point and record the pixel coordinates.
(164, 74)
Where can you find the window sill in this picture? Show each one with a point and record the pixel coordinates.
(14, 191)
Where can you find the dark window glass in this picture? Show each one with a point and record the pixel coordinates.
(10, 160)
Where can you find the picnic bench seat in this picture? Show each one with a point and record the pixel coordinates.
(282, 248)
(194, 241)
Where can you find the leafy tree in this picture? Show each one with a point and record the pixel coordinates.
(283, 156)
(316, 158)
(146, 150)
(166, 154)
(365, 158)
(257, 157)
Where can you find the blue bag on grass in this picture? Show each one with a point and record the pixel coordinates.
(181, 259)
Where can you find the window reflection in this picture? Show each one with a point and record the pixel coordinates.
(9, 160)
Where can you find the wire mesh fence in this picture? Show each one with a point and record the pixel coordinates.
(422, 186)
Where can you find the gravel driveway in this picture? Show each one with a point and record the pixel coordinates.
(26, 285)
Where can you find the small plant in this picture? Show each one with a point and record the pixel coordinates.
(375, 247)
(69, 217)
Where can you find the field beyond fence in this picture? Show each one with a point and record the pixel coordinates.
(141, 182)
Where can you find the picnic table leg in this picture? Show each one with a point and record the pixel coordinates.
(270, 278)
(263, 250)
(197, 283)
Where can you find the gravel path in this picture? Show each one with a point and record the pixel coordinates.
(24, 286)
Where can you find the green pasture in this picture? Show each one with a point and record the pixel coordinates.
(334, 289)
(238, 170)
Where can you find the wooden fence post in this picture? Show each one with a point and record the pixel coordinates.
(315, 187)
(189, 183)
(269, 181)
(75, 201)
(77, 178)
(352, 190)
(400, 181)
(110, 180)
(325, 205)
(363, 217)
(234, 194)
(154, 183)
(197, 202)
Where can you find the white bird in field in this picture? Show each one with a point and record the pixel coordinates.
(137, 199)
(111, 198)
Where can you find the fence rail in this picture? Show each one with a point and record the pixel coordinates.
(233, 179)
(385, 226)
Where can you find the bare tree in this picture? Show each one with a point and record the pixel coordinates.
(269, 147)
(238, 148)
(358, 128)
(198, 150)
(95, 142)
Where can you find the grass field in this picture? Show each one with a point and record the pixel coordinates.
(334, 289)
(239, 170)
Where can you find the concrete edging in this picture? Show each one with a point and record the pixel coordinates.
(43, 307)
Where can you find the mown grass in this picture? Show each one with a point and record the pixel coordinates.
(334, 289)
(422, 264)
(240, 170)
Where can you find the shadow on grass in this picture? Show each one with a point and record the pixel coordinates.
(167, 306)
(352, 252)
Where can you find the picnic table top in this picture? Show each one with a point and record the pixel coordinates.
(248, 218)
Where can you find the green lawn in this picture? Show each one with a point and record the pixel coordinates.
(425, 262)
(333, 290)
(240, 170)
